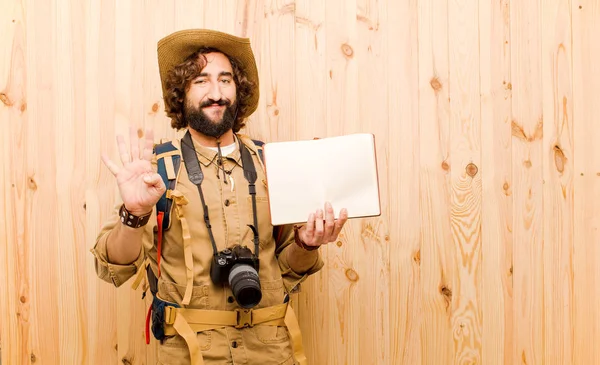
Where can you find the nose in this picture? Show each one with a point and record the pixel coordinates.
(215, 92)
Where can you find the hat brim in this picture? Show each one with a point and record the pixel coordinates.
(176, 47)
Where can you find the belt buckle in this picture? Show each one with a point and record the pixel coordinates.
(170, 313)
(244, 318)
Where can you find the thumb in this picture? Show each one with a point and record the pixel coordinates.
(153, 179)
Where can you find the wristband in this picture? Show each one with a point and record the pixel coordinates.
(301, 243)
(134, 221)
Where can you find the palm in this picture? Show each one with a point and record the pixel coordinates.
(140, 187)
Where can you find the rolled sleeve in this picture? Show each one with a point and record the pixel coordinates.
(291, 278)
(109, 272)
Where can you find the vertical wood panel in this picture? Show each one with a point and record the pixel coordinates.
(465, 159)
(41, 204)
(556, 58)
(586, 107)
(403, 163)
(69, 68)
(496, 175)
(527, 132)
(14, 276)
(437, 249)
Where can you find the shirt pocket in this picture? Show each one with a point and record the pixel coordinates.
(265, 229)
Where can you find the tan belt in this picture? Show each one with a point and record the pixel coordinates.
(187, 322)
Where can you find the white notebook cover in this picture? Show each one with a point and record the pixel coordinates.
(303, 175)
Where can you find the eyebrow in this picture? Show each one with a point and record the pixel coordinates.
(222, 73)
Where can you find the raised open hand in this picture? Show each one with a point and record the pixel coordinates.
(140, 187)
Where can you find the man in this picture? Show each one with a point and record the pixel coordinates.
(219, 272)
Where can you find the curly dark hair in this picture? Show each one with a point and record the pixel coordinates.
(178, 83)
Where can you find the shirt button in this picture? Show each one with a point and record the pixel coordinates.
(226, 202)
(234, 344)
(230, 299)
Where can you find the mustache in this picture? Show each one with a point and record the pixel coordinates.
(219, 102)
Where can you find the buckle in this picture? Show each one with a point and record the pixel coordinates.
(244, 318)
(170, 313)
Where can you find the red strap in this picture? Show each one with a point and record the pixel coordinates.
(159, 217)
(148, 325)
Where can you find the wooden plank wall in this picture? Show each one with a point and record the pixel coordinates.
(485, 116)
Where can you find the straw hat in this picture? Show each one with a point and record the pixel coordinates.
(176, 47)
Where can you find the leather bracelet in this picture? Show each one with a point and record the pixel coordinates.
(301, 243)
(134, 221)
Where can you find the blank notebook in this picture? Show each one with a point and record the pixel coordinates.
(303, 175)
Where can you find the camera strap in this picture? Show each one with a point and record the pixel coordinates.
(196, 176)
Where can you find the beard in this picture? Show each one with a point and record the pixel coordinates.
(197, 119)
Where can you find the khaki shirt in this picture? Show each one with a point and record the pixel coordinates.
(230, 212)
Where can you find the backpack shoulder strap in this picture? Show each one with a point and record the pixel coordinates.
(168, 159)
(259, 147)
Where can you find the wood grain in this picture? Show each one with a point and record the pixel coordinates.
(484, 115)
(436, 254)
(527, 163)
(496, 183)
(466, 194)
(558, 172)
(403, 162)
(586, 184)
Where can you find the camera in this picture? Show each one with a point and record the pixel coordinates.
(238, 267)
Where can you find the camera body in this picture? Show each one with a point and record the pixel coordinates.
(238, 267)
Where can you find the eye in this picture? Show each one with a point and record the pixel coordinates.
(226, 81)
(200, 81)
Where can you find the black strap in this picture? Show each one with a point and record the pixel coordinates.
(196, 176)
(192, 165)
(250, 175)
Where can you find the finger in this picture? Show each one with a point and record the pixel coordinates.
(310, 226)
(134, 145)
(153, 179)
(329, 221)
(319, 226)
(339, 223)
(148, 145)
(125, 158)
(112, 167)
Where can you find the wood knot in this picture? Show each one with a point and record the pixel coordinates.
(33, 357)
(559, 159)
(347, 50)
(445, 166)
(509, 86)
(352, 275)
(435, 83)
(23, 299)
(126, 361)
(472, 169)
(339, 243)
(140, 133)
(23, 107)
(527, 163)
(417, 257)
(5, 99)
(31, 184)
(154, 107)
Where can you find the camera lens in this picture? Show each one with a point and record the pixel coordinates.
(245, 285)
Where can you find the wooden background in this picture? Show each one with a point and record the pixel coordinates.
(485, 115)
